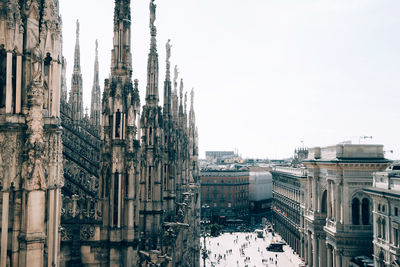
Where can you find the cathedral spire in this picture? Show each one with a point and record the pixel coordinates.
(181, 98)
(121, 61)
(167, 83)
(95, 108)
(192, 119)
(75, 98)
(175, 94)
(77, 54)
(152, 63)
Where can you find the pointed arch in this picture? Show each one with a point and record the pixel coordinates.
(365, 211)
(355, 211)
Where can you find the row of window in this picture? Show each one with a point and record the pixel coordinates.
(382, 208)
(360, 210)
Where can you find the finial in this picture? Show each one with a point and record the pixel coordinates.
(97, 47)
(136, 83)
(181, 90)
(77, 28)
(185, 101)
(152, 13)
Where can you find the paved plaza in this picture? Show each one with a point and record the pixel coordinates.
(246, 250)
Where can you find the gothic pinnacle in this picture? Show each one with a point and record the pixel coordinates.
(77, 60)
(95, 107)
(152, 63)
(168, 68)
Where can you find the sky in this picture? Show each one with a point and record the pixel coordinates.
(268, 75)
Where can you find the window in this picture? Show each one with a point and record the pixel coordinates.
(355, 211)
(396, 211)
(379, 207)
(378, 227)
(365, 211)
(3, 71)
(118, 124)
(396, 237)
(383, 230)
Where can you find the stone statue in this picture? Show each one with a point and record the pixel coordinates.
(36, 57)
(168, 47)
(176, 72)
(152, 13)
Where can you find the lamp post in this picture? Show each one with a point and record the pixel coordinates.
(204, 234)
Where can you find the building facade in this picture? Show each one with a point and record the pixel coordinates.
(76, 189)
(31, 172)
(226, 193)
(337, 216)
(385, 194)
(260, 193)
(288, 204)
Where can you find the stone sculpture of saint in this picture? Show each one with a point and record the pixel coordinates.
(168, 47)
(36, 57)
(152, 13)
(175, 75)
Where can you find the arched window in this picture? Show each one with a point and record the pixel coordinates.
(365, 211)
(3, 75)
(378, 227)
(150, 136)
(383, 229)
(323, 203)
(355, 211)
(118, 124)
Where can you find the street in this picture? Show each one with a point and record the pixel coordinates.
(246, 250)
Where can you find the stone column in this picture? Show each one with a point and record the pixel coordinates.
(315, 251)
(35, 236)
(309, 251)
(337, 201)
(314, 194)
(329, 255)
(328, 201)
(51, 225)
(54, 89)
(322, 252)
(18, 85)
(4, 228)
(16, 228)
(9, 83)
(338, 259)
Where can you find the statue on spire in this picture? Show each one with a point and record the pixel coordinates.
(168, 47)
(176, 73)
(152, 13)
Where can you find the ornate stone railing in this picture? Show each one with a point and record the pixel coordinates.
(290, 170)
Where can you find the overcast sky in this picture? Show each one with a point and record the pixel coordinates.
(267, 74)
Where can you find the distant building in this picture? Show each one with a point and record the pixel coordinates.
(385, 194)
(260, 192)
(220, 156)
(288, 204)
(226, 193)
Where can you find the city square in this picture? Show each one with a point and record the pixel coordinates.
(246, 249)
